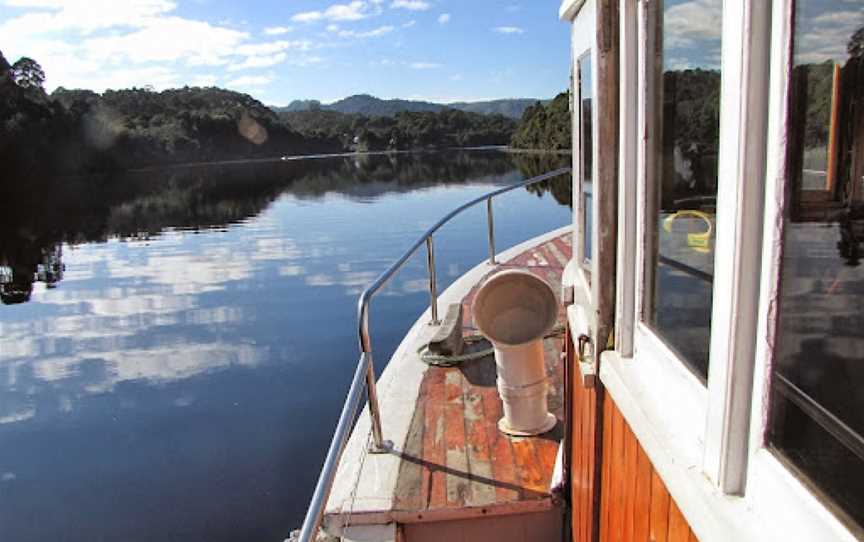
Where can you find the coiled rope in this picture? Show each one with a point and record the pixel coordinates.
(438, 360)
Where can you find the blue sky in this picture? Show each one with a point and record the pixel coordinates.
(278, 51)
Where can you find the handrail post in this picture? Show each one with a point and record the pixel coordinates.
(378, 444)
(490, 224)
(433, 293)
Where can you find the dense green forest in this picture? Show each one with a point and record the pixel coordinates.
(545, 126)
(80, 131)
(404, 130)
(76, 131)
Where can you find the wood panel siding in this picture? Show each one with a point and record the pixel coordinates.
(636, 506)
(631, 502)
(583, 452)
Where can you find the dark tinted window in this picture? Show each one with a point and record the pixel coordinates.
(817, 400)
(586, 149)
(680, 262)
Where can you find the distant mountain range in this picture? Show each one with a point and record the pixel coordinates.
(371, 106)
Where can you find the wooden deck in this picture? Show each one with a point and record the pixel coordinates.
(455, 459)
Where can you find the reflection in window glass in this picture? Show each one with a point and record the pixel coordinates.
(586, 150)
(681, 262)
(817, 397)
(587, 225)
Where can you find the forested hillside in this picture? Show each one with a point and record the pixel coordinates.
(370, 106)
(406, 130)
(80, 131)
(545, 126)
(74, 131)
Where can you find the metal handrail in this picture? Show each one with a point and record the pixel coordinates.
(365, 369)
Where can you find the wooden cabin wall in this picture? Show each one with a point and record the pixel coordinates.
(583, 448)
(631, 503)
(634, 503)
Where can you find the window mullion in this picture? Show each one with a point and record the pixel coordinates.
(737, 265)
(625, 313)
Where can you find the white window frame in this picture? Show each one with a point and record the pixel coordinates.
(800, 513)
(670, 382)
(580, 315)
(629, 162)
(582, 44)
(707, 443)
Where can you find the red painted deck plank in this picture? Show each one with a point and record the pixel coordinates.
(434, 482)
(508, 483)
(455, 440)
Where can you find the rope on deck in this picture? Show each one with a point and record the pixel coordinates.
(437, 360)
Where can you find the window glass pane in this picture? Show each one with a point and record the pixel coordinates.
(586, 149)
(817, 398)
(587, 226)
(686, 121)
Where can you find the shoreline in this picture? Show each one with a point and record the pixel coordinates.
(320, 156)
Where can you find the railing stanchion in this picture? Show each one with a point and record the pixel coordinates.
(490, 223)
(378, 444)
(433, 292)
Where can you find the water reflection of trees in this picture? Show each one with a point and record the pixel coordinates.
(827, 143)
(534, 164)
(37, 215)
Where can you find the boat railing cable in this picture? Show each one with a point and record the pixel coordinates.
(364, 374)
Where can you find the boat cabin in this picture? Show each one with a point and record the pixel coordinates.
(718, 218)
(707, 373)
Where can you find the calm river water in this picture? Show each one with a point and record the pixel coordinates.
(175, 345)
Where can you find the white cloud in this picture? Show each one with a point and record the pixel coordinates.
(691, 23)
(250, 81)
(826, 36)
(444, 18)
(412, 5)
(86, 16)
(19, 416)
(380, 31)
(409, 24)
(204, 80)
(277, 30)
(424, 65)
(508, 30)
(307, 16)
(261, 61)
(101, 44)
(269, 48)
(352, 11)
(163, 40)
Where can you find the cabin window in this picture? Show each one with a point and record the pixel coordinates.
(816, 420)
(586, 153)
(683, 180)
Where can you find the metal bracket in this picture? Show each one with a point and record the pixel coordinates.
(587, 363)
(385, 449)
